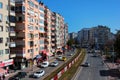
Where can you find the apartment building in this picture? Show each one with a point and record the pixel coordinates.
(5, 22)
(48, 29)
(59, 31)
(30, 29)
(53, 32)
(83, 37)
(29, 32)
(65, 33)
(99, 36)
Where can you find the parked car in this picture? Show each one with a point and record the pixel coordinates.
(59, 57)
(54, 64)
(39, 73)
(14, 78)
(44, 64)
(20, 75)
(64, 58)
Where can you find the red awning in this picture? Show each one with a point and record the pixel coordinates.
(46, 53)
(2, 71)
(118, 61)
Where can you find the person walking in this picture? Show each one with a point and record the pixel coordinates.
(3, 77)
(0, 77)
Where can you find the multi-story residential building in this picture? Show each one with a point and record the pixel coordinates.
(5, 29)
(72, 35)
(57, 32)
(48, 28)
(65, 33)
(53, 32)
(83, 37)
(29, 31)
(99, 36)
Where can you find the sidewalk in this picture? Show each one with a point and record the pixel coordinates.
(28, 70)
(114, 74)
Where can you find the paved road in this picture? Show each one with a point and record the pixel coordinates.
(48, 70)
(94, 72)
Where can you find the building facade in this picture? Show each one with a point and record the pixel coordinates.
(28, 28)
(5, 33)
(83, 37)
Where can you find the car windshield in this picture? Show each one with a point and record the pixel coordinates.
(38, 72)
(44, 63)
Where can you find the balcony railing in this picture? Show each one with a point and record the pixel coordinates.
(12, 33)
(12, 44)
(13, 1)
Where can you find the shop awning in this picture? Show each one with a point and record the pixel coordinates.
(46, 53)
(2, 71)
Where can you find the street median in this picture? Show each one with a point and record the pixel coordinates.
(67, 70)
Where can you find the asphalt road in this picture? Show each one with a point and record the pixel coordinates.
(94, 71)
(49, 69)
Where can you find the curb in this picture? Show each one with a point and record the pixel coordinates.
(79, 69)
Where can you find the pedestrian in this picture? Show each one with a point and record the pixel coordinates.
(3, 77)
(0, 77)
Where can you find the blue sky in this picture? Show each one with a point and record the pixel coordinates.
(87, 13)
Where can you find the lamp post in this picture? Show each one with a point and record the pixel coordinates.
(113, 54)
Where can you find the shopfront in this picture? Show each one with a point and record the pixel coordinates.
(4, 66)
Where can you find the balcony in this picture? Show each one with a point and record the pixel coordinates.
(53, 39)
(12, 44)
(12, 13)
(53, 34)
(52, 28)
(21, 34)
(12, 2)
(53, 44)
(12, 55)
(12, 24)
(12, 33)
(53, 23)
(19, 1)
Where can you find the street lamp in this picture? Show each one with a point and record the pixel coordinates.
(113, 54)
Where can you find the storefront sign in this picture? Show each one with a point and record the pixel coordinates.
(6, 63)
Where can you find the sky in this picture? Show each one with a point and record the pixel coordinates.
(81, 14)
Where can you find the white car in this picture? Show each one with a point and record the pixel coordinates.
(59, 57)
(39, 73)
(55, 63)
(44, 64)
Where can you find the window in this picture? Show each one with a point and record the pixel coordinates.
(12, 19)
(12, 8)
(42, 21)
(1, 28)
(42, 15)
(0, 17)
(41, 9)
(1, 52)
(6, 51)
(1, 5)
(1, 40)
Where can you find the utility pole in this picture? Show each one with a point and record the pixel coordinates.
(113, 54)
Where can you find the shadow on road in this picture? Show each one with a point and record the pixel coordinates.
(110, 72)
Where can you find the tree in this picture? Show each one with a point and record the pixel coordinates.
(70, 42)
(117, 44)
